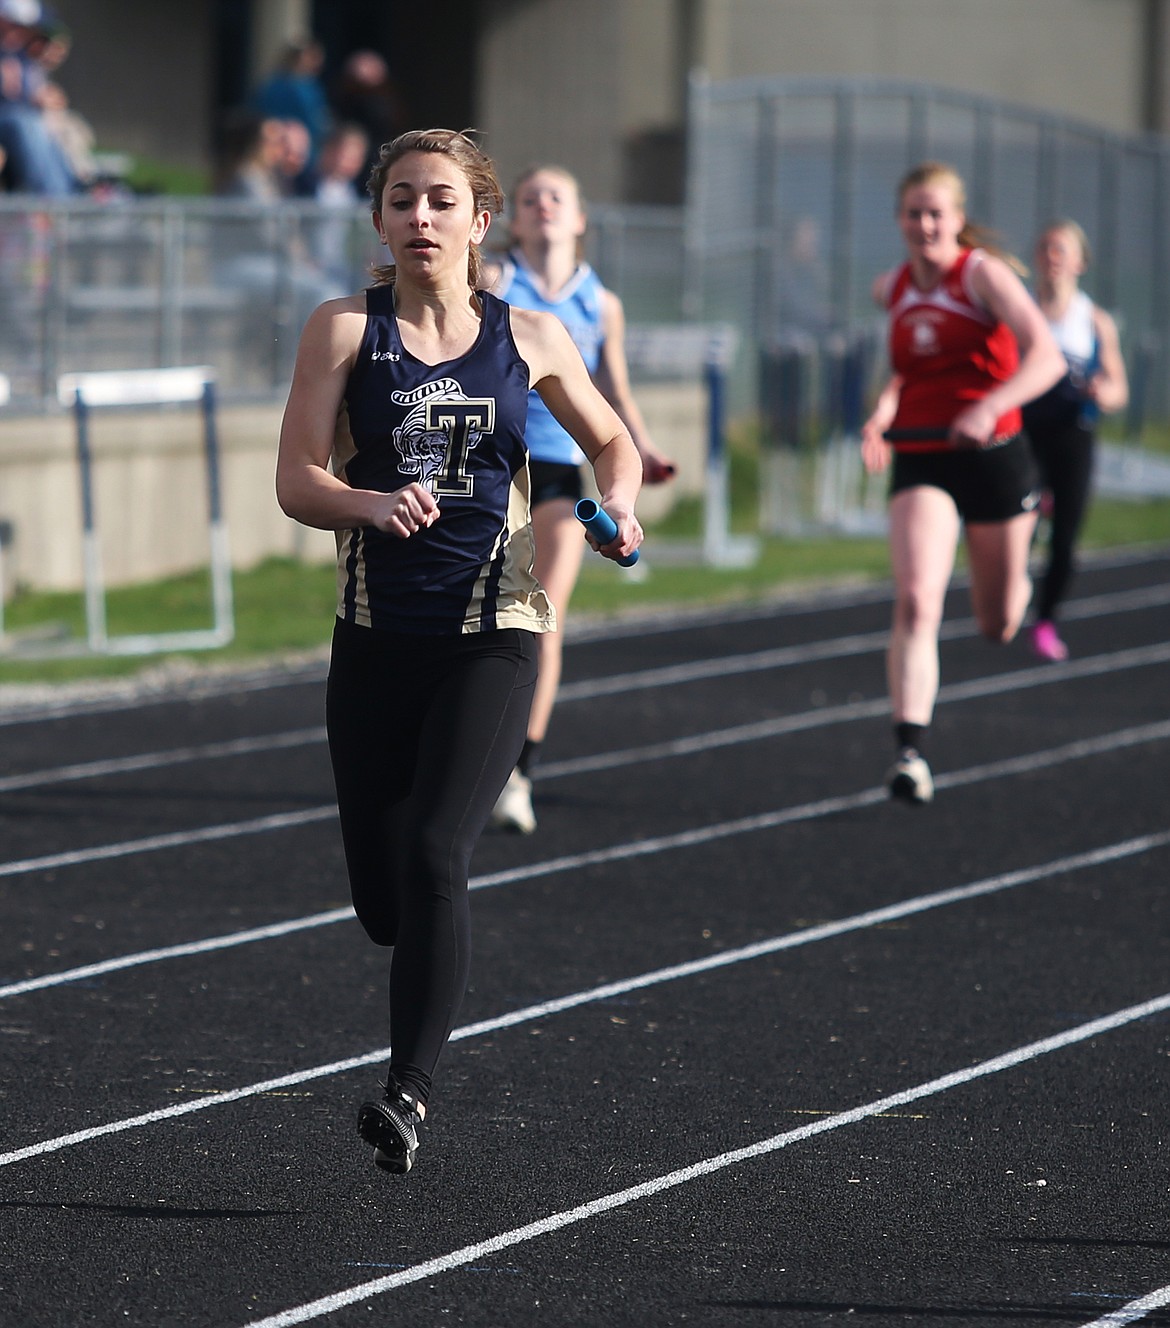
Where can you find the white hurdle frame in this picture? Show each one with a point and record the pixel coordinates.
(149, 387)
(692, 350)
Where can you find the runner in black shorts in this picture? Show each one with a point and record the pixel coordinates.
(1062, 424)
(986, 484)
(553, 480)
(544, 270)
(968, 347)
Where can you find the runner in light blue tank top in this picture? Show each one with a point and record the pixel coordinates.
(544, 271)
(579, 306)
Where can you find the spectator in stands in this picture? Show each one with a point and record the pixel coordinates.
(295, 174)
(36, 163)
(266, 253)
(73, 134)
(49, 46)
(804, 306)
(365, 94)
(339, 171)
(295, 92)
(251, 148)
(1061, 424)
(338, 189)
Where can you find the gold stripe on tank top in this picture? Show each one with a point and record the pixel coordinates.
(521, 600)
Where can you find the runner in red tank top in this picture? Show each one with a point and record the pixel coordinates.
(968, 347)
(947, 348)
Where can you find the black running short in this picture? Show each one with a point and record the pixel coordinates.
(552, 480)
(986, 483)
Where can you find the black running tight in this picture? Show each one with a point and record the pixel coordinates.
(423, 733)
(1065, 457)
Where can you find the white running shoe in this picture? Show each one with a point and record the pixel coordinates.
(909, 778)
(513, 809)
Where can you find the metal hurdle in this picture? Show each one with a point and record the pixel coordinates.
(694, 350)
(149, 387)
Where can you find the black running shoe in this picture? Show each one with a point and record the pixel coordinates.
(392, 1127)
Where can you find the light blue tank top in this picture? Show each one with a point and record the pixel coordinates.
(578, 306)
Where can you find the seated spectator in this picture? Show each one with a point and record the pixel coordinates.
(295, 174)
(365, 94)
(249, 156)
(36, 162)
(339, 170)
(295, 92)
(263, 252)
(340, 190)
(72, 132)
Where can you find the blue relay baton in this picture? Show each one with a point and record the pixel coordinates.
(598, 522)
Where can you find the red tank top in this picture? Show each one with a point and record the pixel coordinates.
(948, 350)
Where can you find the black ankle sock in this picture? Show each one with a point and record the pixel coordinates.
(910, 735)
(529, 757)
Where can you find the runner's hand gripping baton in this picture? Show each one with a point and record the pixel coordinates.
(598, 522)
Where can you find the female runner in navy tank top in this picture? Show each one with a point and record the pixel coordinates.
(404, 434)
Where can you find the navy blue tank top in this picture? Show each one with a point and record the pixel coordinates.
(458, 430)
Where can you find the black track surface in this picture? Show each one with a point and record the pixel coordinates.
(698, 1132)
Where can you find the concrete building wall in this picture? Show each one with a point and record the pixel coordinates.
(606, 93)
(550, 89)
(601, 85)
(150, 489)
(1080, 58)
(143, 73)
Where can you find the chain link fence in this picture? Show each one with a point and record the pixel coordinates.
(789, 217)
(142, 283)
(791, 205)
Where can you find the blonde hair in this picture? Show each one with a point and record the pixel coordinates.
(553, 169)
(972, 235)
(477, 168)
(1074, 229)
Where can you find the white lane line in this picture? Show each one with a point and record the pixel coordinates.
(176, 839)
(134, 695)
(996, 685)
(1135, 1310)
(647, 679)
(182, 950)
(701, 742)
(621, 852)
(553, 1222)
(818, 651)
(121, 765)
(1095, 665)
(828, 806)
(607, 991)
